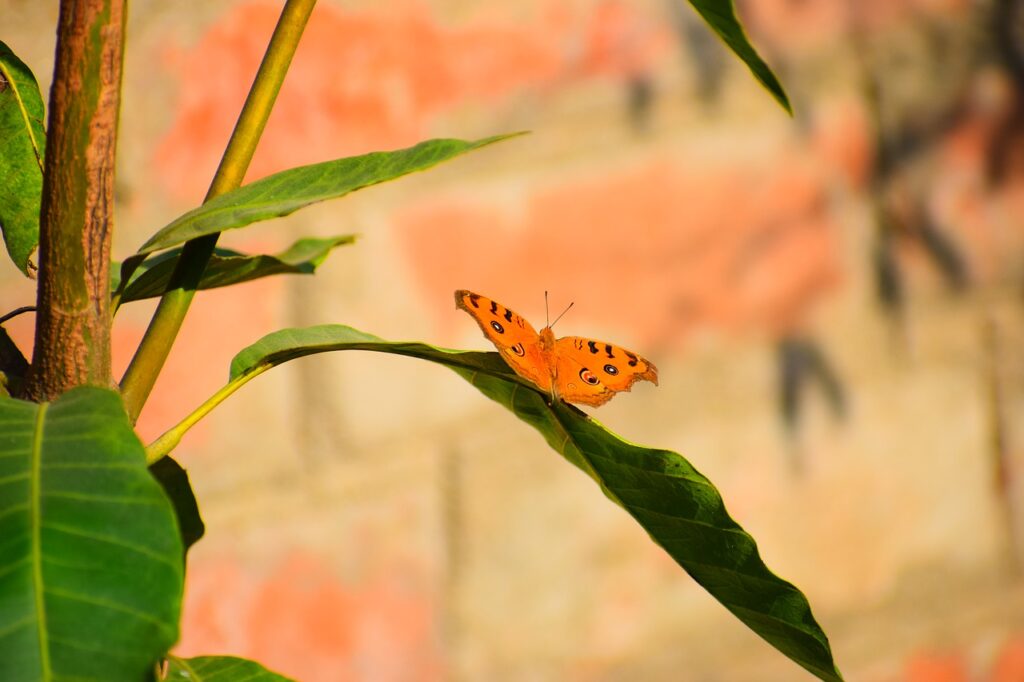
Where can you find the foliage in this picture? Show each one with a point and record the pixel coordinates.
(678, 507)
(21, 164)
(227, 267)
(92, 567)
(91, 570)
(721, 17)
(218, 669)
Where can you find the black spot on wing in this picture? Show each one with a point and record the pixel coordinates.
(473, 298)
(508, 315)
(494, 308)
(592, 346)
(608, 350)
(632, 359)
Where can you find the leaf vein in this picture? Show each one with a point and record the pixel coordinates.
(107, 604)
(139, 549)
(114, 499)
(17, 625)
(36, 550)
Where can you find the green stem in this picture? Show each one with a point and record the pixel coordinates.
(166, 443)
(152, 353)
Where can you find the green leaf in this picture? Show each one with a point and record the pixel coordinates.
(227, 267)
(218, 669)
(22, 145)
(679, 508)
(720, 15)
(13, 365)
(90, 558)
(285, 192)
(174, 480)
(289, 344)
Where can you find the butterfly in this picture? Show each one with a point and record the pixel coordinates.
(573, 368)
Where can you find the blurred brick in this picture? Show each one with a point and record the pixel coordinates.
(1009, 663)
(369, 79)
(936, 667)
(304, 622)
(669, 243)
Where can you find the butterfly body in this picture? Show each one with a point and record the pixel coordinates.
(573, 368)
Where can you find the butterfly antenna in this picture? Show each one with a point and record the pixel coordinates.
(563, 313)
(547, 316)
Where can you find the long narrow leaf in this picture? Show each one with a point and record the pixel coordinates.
(285, 192)
(720, 15)
(22, 144)
(90, 558)
(227, 267)
(218, 669)
(679, 508)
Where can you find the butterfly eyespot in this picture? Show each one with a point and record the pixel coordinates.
(589, 377)
(497, 327)
(611, 369)
(518, 349)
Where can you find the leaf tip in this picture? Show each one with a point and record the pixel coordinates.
(502, 137)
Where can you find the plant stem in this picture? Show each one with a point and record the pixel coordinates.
(163, 445)
(17, 311)
(72, 335)
(152, 353)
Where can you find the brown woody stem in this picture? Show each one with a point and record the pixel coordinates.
(72, 340)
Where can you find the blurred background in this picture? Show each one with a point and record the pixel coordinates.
(835, 302)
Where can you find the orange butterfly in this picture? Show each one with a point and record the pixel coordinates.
(573, 368)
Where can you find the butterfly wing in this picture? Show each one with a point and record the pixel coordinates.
(514, 337)
(591, 372)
